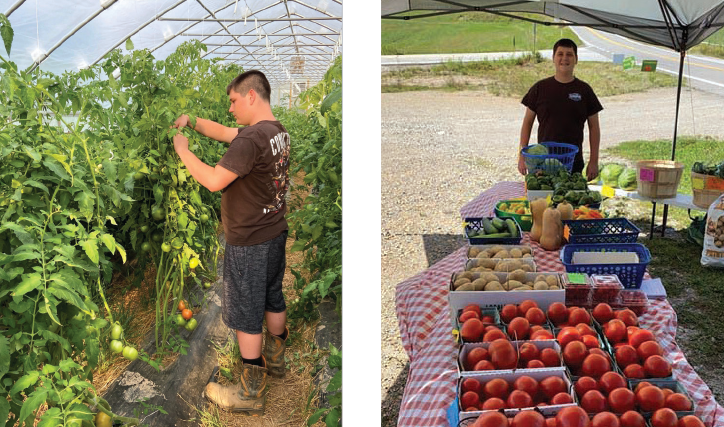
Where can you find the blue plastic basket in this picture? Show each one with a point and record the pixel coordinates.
(477, 224)
(563, 153)
(607, 230)
(630, 275)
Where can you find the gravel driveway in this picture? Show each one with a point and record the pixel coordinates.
(441, 149)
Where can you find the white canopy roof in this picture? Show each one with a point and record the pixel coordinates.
(288, 40)
(677, 24)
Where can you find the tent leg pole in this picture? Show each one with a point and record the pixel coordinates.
(676, 123)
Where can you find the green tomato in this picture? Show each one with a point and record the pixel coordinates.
(145, 246)
(137, 176)
(116, 346)
(180, 320)
(130, 353)
(191, 324)
(207, 285)
(193, 263)
(177, 243)
(157, 236)
(144, 228)
(158, 214)
(204, 218)
(116, 331)
(165, 247)
(204, 209)
(103, 420)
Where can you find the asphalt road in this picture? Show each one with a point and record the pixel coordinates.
(705, 73)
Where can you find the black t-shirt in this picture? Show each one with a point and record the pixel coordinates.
(253, 205)
(562, 110)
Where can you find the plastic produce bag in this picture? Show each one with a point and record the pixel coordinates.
(713, 253)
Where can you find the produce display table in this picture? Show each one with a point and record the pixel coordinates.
(424, 319)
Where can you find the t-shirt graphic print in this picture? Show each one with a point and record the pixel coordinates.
(253, 205)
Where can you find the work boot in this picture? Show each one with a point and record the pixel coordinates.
(247, 396)
(274, 354)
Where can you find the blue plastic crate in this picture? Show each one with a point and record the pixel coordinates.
(606, 230)
(477, 224)
(563, 153)
(630, 275)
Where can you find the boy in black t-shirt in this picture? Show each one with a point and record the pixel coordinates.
(563, 104)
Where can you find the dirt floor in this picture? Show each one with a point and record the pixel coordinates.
(441, 149)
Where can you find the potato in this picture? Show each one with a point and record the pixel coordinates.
(526, 250)
(529, 284)
(512, 284)
(552, 280)
(466, 287)
(495, 249)
(487, 263)
(527, 268)
(540, 286)
(527, 256)
(517, 275)
(502, 254)
(479, 284)
(502, 266)
(473, 252)
(516, 253)
(540, 277)
(515, 264)
(494, 286)
(553, 288)
(468, 275)
(523, 288)
(460, 281)
(490, 277)
(482, 255)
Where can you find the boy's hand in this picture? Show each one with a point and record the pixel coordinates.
(591, 170)
(180, 143)
(181, 122)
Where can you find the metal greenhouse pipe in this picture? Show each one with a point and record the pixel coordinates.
(13, 7)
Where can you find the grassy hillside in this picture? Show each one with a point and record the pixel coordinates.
(467, 33)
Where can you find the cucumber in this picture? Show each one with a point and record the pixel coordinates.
(488, 226)
(497, 235)
(512, 227)
(499, 224)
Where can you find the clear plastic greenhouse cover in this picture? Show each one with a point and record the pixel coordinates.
(292, 42)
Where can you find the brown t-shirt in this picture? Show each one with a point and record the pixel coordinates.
(253, 205)
(562, 110)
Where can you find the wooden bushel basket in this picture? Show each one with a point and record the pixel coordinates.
(706, 189)
(658, 179)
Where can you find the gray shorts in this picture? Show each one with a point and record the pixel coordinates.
(253, 283)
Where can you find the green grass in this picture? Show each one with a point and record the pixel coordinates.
(712, 46)
(467, 33)
(495, 76)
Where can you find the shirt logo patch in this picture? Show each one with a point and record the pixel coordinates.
(574, 96)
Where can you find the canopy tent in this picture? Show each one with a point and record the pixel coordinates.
(675, 24)
(292, 41)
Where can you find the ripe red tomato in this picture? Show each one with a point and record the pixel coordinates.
(561, 398)
(475, 355)
(605, 419)
(526, 384)
(181, 305)
(471, 384)
(496, 387)
(690, 421)
(590, 341)
(535, 316)
(557, 313)
(611, 381)
(494, 334)
(503, 354)
(579, 315)
(585, 329)
(519, 399)
(595, 365)
(484, 365)
(493, 403)
(574, 353)
(593, 402)
(528, 419)
(632, 419)
(567, 335)
(550, 386)
(650, 398)
(664, 417)
(469, 399)
(621, 400)
(468, 315)
(634, 370)
(491, 419)
(639, 337)
(585, 384)
(641, 385)
(187, 314)
(550, 357)
(475, 308)
(519, 328)
(677, 402)
(649, 348)
(535, 364)
(572, 416)
(626, 355)
(525, 306)
(508, 312)
(628, 317)
(528, 351)
(541, 335)
(657, 367)
(615, 330)
(603, 313)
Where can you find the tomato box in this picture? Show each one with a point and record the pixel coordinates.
(672, 385)
(636, 301)
(459, 299)
(484, 311)
(510, 376)
(465, 369)
(578, 286)
(606, 288)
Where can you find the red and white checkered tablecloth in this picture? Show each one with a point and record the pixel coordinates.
(424, 318)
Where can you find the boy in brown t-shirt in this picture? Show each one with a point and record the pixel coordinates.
(563, 104)
(253, 178)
